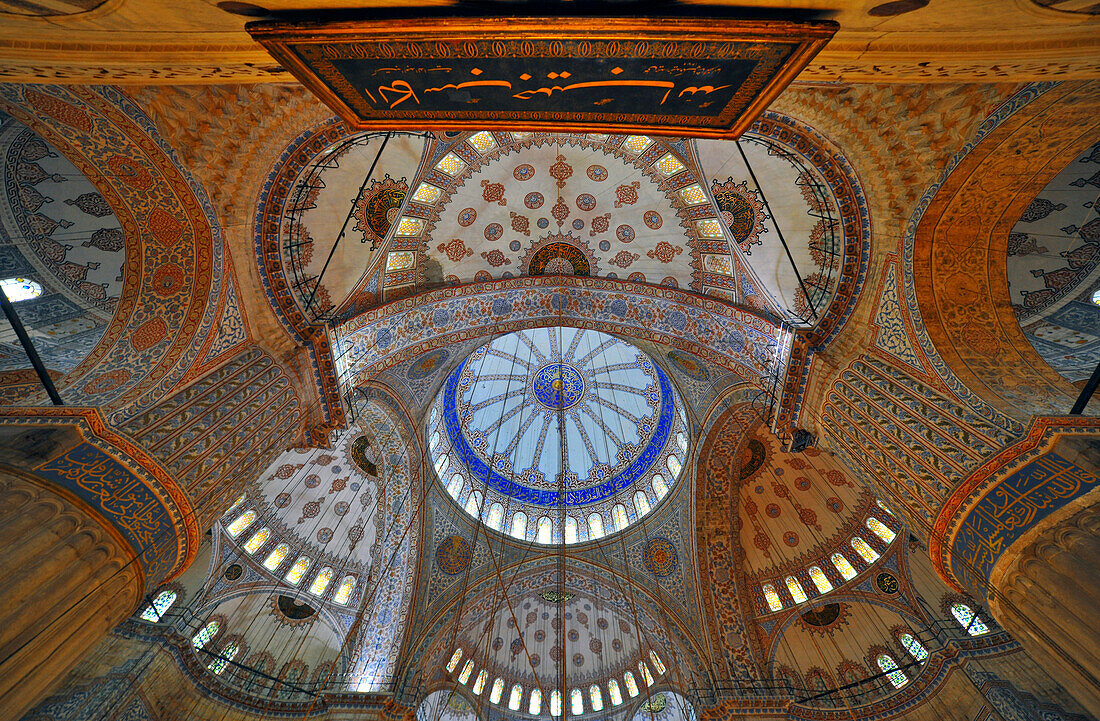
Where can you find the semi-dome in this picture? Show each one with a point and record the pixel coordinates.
(518, 410)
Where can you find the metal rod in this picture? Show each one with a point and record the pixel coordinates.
(1086, 393)
(775, 222)
(28, 348)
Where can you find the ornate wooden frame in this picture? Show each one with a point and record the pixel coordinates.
(736, 66)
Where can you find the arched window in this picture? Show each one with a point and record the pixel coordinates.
(545, 532)
(466, 671)
(646, 675)
(595, 697)
(497, 691)
(227, 654)
(321, 582)
(631, 684)
(519, 525)
(913, 646)
(455, 486)
(555, 703)
(890, 668)
(159, 605)
(515, 697)
(879, 529)
(614, 692)
(496, 516)
(968, 620)
(657, 662)
(259, 538)
(820, 580)
(455, 658)
(674, 466)
(843, 566)
(660, 488)
(236, 503)
(276, 557)
(682, 441)
(595, 526)
(619, 517)
(534, 706)
(772, 597)
(208, 632)
(864, 550)
(883, 506)
(473, 504)
(294, 575)
(576, 702)
(479, 682)
(435, 436)
(641, 503)
(243, 521)
(795, 587)
(441, 464)
(571, 530)
(19, 289)
(343, 594)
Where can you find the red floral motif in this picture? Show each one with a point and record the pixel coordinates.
(495, 258)
(808, 516)
(761, 541)
(665, 251)
(168, 279)
(481, 276)
(493, 192)
(107, 382)
(165, 228)
(797, 463)
(561, 170)
(636, 277)
(324, 459)
(130, 172)
(627, 194)
(338, 484)
(456, 250)
(560, 211)
(600, 224)
(837, 478)
(286, 471)
(670, 282)
(624, 259)
(59, 110)
(520, 223)
(148, 334)
(466, 217)
(780, 490)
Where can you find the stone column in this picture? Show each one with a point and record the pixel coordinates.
(1046, 593)
(67, 580)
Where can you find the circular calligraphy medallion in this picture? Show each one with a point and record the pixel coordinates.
(659, 556)
(453, 555)
(558, 386)
(887, 583)
(233, 572)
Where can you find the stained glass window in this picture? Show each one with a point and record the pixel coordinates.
(545, 533)
(321, 582)
(208, 632)
(479, 682)
(669, 165)
(294, 575)
(864, 550)
(618, 515)
(657, 662)
(555, 703)
(276, 557)
(795, 587)
(576, 702)
(880, 529)
(843, 566)
(426, 193)
(888, 666)
(455, 486)
(708, 228)
(570, 530)
(160, 604)
(674, 466)
(455, 658)
(18, 289)
(913, 646)
(631, 684)
(641, 503)
(682, 441)
(343, 594)
(659, 486)
(496, 516)
(483, 141)
(515, 697)
(968, 620)
(259, 538)
(243, 521)
(497, 691)
(441, 463)
(519, 524)
(450, 164)
(595, 697)
(236, 503)
(646, 675)
(772, 597)
(466, 671)
(693, 195)
(614, 692)
(820, 580)
(473, 504)
(636, 143)
(534, 706)
(227, 654)
(595, 526)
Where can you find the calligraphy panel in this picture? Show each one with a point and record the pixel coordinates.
(672, 76)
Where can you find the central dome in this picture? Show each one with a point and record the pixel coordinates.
(575, 431)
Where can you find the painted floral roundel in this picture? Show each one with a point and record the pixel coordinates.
(557, 434)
